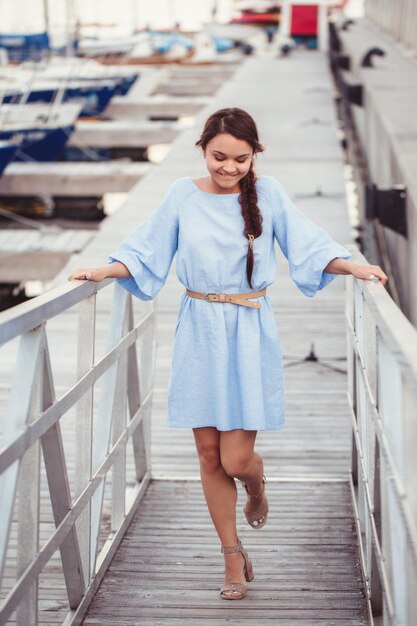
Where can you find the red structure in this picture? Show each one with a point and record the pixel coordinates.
(304, 20)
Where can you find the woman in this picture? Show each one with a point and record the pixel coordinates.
(226, 378)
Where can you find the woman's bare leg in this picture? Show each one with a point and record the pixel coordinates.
(221, 495)
(223, 456)
(240, 460)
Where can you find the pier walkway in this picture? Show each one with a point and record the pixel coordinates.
(160, 562)
(168, 568)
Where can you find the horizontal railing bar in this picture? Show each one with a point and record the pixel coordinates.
(376, 417)
(49, 548)
(75, 617)
(397, 331)
(52, 414)
(25, 316)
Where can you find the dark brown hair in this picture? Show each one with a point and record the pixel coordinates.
(241, 125)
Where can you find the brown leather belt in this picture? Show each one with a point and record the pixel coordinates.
(235, 298)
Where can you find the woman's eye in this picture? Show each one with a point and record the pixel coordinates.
(222, 159)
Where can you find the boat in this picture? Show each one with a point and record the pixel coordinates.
(145, 48)
(20, 47)
(7, 151)
(37, 143)
(258, 16)
(95, 95)
(35, 113)
(79, 69)
(204, 51)
(37, 132)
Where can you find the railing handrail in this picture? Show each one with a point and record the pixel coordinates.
(397, 330)
(28, 315)
(382, 394)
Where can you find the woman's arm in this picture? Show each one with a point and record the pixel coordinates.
(365, 272)
(111, 270)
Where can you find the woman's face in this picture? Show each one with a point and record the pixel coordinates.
(228, 160)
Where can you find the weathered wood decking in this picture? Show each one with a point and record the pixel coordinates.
(168, 569)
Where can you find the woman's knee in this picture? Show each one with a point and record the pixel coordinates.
(209, 456)
(235, 463)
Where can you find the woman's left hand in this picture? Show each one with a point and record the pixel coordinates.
(368, 272)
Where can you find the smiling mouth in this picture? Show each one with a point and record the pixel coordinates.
(228, 175)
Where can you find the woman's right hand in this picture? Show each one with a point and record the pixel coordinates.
(95, 274)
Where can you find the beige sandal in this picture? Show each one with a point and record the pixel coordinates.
(257, 518)
(237, 591)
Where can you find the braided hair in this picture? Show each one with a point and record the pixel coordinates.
(240, 124)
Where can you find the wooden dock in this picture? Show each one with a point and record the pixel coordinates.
(168, 569)
(136, 134)
(71, 179)
(122, 108)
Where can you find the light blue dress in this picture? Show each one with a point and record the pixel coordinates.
(227, 368)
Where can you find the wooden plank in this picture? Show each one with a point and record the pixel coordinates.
(15, 268)
(118, 133)
(157, 106)
(158, 571)
(70, 179)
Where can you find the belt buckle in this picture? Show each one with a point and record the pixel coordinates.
(221, 297)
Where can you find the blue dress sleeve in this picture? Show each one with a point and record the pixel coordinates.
(148, 251)
(307, 247)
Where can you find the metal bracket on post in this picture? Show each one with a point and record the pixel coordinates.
(388, 205)
(334, 39)
(367, 59)
(352, 93)
(343, 61)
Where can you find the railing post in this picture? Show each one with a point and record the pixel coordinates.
(390, 398)
(29, 498)
(375, 585)
(84, 425)
(59, 490)
(410, 438)
(118, 426)
(103, 429)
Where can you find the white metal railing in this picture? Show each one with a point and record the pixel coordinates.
(382, 357)
(397, 17)
(33, 422)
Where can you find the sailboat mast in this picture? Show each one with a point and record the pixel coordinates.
(70, 28)
(46, 16)
(47, 23)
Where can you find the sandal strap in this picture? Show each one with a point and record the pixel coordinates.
(229, 550)
(233, 587)
(259, 495)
